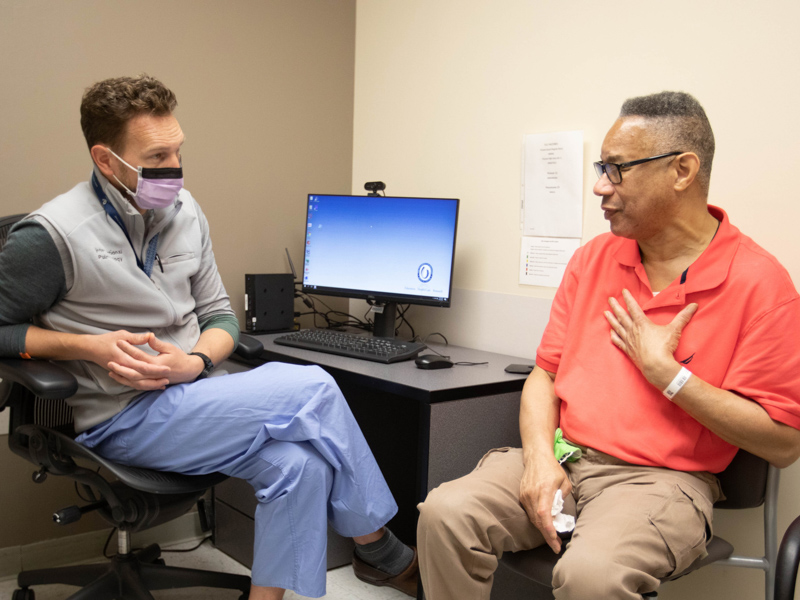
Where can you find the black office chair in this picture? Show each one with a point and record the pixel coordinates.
(788, 561)
(748, 482)
(41, 432)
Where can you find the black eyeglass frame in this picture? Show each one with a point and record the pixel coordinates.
(600, 167)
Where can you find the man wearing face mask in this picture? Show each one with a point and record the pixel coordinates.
(119, 279)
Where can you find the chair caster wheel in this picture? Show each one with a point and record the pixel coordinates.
(23, 594)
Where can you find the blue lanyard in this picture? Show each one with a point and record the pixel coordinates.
(150, 255)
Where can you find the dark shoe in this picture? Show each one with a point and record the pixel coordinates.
(406, 581)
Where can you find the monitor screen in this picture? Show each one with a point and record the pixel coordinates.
(385, 248)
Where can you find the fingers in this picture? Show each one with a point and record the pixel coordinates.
(537, 491)
(548, 531)
(140, 384)
(134, 352)
(621, 320)
(540, 514)
(682, 318)
(139, 372)
(159, 345)
(137, 339)
(136, 359)
(617, 330)
(633, 307)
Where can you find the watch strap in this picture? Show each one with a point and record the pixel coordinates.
(209, 365)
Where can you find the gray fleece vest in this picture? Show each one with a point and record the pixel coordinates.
(109, 292)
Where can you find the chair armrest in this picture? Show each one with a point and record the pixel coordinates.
(43, 378)
(50, 381)
(249, 347)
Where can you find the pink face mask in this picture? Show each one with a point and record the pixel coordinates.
(155, 188)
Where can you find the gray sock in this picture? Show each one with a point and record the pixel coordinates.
(388, 554)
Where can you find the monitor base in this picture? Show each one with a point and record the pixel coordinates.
(385, 320)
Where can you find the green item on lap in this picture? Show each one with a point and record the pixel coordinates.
(564, 450)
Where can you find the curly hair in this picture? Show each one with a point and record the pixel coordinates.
(108, 105)
(679, 124)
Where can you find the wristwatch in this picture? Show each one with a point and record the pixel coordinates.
(209, 366)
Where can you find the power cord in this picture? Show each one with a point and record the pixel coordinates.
(192, 549)
(174, 550)
(108, 539)
(336, 319)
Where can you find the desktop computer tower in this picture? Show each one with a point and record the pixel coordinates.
(269, 303)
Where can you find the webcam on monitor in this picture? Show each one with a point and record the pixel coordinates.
(374, 187)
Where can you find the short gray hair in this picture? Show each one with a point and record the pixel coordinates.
(680, 124)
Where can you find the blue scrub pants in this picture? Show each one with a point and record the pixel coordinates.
(289, 432)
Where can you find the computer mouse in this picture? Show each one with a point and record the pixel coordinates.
(433, 361)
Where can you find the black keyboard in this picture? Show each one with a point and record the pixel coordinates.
(378, 349)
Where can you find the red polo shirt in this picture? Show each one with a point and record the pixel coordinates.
(743, 337)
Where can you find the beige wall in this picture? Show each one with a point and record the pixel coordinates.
(265, 92)
(446, 90)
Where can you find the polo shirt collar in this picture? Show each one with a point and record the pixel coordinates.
(707, 272)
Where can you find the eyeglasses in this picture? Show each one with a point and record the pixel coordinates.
(614, 170)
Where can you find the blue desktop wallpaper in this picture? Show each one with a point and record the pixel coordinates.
(380, 244)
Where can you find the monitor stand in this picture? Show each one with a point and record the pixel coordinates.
(384, 321)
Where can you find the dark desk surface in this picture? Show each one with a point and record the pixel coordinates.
(406, 379)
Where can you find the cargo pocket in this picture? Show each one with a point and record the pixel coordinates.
(684, 523)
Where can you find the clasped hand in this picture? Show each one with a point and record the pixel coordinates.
(131, 366)
(651, 347)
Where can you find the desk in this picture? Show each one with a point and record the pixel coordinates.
(424, 427)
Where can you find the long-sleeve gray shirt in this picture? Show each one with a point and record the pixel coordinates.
(31, 281)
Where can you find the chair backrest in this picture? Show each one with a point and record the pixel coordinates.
(54, 414)
(5, 226)
(788, 562)
(744, 482)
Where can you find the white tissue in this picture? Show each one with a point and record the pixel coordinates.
(563, 523)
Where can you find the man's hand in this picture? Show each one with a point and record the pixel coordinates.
(540, 480)
(651, 347)
(140, 371)
(175, 366)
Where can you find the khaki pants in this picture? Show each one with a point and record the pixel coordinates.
(635, 525)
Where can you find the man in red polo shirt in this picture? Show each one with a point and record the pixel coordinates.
(671, 344)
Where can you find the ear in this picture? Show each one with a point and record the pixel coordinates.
(686, 166)
(102, 158)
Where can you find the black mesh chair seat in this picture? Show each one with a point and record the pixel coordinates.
(538, 564)
(144, 480)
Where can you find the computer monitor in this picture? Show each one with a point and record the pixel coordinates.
(389, 250)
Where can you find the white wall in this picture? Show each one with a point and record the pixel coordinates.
(446, 90)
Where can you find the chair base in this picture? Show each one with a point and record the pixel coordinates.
(130, 577)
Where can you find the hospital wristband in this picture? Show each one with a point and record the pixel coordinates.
(676, 384)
